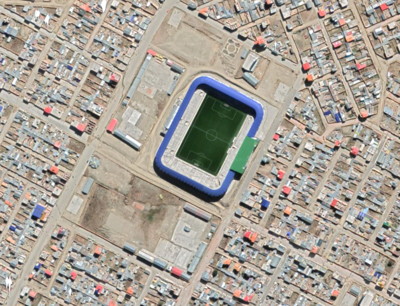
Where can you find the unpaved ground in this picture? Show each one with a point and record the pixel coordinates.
(140, 217)
(199, 50)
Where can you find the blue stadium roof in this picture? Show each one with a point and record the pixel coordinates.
(236, 100)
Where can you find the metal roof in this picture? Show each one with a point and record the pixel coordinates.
(243, 155)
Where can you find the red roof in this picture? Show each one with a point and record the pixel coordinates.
(287, 210)
(57, 144)
(99, 288)
(334, 202)
(204, 11)
(176, 271)
(54, 169)
(114, 77)
(81, 127)
(32, 294)
(342, 21)
(276, 137)
(48, 272)
(73, 275)
(337, 44)
(306, 66)
(384, 7)
(97, 250)
(354, 151)
(364, 114)
(360, 66)
(349, 37)
(112, 303)
(47, 110)
(286, 190)
(237, 293)
(151, 52)
(250, 236)
(253, 237)
(111, 125)
(337, 143)
(321, 13)
(129, 291)
(86, 7)
(260, 41)
(248, 298)
(281, 174)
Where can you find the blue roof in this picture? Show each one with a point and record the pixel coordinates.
(37, 266)
(38, 211)
(265, 203)
(236, 100)
(338, 117)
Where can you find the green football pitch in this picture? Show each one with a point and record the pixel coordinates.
(211, 134)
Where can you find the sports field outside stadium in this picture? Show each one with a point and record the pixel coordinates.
(211, 134)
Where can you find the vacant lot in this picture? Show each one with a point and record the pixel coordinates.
(125, 208)
(188, 39)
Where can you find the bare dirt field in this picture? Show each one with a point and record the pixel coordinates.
(124, 208)
(76, 146)
(202, 46)
(277, 82)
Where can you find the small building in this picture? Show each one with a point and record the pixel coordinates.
(251, 62)
(251, 79)
(176, 272)
(197, 212)
(162, 265)
(111, 125)
(54, 169)
(38, 212)
(88, 185)
(128, 139)
(47, 110)
(306, 66)
(178, 69)
(129, 248)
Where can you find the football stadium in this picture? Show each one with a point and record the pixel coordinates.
(210, 138)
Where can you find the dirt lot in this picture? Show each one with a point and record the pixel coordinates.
(76, 146)
(277, 83)
(125, 208)
(202, 46)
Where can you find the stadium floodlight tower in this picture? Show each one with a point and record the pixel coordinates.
(210, 138)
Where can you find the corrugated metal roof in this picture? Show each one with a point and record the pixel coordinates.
(243, 155)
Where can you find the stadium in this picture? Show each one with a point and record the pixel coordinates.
(210, 138)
